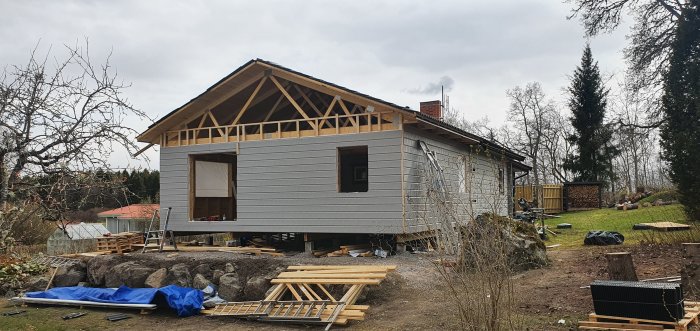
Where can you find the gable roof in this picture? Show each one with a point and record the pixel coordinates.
(257, 66)
(135, 211)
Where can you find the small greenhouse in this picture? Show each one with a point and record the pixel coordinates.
(75, 238)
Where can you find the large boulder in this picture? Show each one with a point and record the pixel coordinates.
(70, 275)
(216, 275)
(200, 282)
(37, 283)
(491, 239)
(525, 248)
(179, 274)
(230, 288)
(129, 273)
(203, 269)
(255, 288)
(98, 268)
(157, 278)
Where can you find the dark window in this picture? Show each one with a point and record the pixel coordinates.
(501, 181)
(352, 169)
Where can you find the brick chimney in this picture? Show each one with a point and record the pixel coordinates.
(431, 108)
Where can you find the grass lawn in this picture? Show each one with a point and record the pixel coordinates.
(611, 220)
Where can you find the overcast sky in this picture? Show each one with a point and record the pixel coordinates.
(399, 51)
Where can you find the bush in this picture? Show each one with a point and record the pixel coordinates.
(13, 271)
(22, 223)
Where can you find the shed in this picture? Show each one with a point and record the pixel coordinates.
(130, 218)
(75, 238)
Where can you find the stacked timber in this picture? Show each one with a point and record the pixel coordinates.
(583, 196)
(116, 243)
(312, 301)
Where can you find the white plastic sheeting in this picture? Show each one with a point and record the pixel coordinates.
(212, 179)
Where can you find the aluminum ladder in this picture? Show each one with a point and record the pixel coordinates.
(159, 236)
(439, 180)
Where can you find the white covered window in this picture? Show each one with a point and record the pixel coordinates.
(212, 179)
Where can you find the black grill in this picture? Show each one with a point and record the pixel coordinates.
(653, 301)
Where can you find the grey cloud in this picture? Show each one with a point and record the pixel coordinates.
(173, 50)
(445, 82)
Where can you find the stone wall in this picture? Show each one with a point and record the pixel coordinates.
(237, 279)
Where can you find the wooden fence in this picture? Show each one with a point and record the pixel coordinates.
(550, 197)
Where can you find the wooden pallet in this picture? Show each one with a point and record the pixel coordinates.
(603, 322)
(307, 285)
(667, 226)
(117, 243)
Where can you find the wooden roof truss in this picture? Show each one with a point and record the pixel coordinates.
(277, 105)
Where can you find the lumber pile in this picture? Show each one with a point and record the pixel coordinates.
(119, 243)
(361, 250)
(312, 302)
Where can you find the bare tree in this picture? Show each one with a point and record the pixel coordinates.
(479, 126)
(531, 113)
(636, 166)
(60, 115)
(650, 39)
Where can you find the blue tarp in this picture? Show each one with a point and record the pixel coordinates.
(186, 301)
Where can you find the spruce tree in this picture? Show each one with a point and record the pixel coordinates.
(680, 133)
(592, 161)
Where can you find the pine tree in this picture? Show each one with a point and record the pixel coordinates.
(588, 101)
(680, 133)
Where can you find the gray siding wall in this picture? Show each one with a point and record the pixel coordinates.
(473, 193)
(290, 185)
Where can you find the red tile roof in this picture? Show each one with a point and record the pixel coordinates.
(135, 211)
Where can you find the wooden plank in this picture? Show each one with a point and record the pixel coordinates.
(347, 112)
(297, 274)
(308, 101)
(250, 99)
(274, 107)
(331, 267)
(313, 293)
(325, 281)
(328, 294)
(327, 89)
(594, 317)
(328, 112)
(216, 123)
(611, 325)
(294, 292)
(303, 289)
(291, 100)
(276, 293)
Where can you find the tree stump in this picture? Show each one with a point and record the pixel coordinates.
(621, 267)
(690, 269)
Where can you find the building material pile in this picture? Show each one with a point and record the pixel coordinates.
(120, 243)
(362, 250)
(629, 305)
(310, 300)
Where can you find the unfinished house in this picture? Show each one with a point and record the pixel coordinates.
(271, 150)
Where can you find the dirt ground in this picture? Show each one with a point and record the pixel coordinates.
(414, 301)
